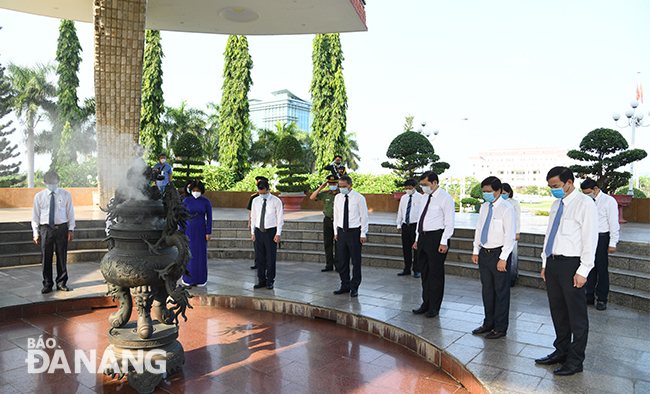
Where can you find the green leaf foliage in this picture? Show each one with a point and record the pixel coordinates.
(218, 178)
(75, 174)
(189, 150)
(290, 152)
(8, 171)
(248, 184)
(152, 132)
(604, 151)
(637, 193)
(235, 127)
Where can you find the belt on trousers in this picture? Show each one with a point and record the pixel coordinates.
(410, 224)
(431, 232)
(561, 257)
(603, 234)
(55, 227)
(492, 250)
(265, 230)
(349, 230)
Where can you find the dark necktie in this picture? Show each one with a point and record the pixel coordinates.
(52, 203)
(486, 227)
(346, 214)
(408, 210)
(262, 216)
(556, 224)
(424, 213)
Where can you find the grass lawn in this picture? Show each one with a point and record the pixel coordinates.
(543, 206)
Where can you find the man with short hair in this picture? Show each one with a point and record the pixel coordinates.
(164, 172)
(350, 229)
(249, 206)
(327, 197)
(608, 228)
(53, 227)
(266, 229)
(567, 257)
(435, 227)
(407, 220)
(494, 240)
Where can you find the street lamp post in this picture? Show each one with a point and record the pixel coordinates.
(634, 120)
(427, 133)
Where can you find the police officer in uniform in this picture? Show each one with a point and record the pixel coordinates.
(336, 168)
(327, 197)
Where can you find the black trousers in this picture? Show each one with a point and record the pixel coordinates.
(496, 290)
(349, 248)
(432, 264)
(598, 279)
(265, 252)
(513, 261)
(54, 240)
(408, 239)
(330, 244)
(568, 309)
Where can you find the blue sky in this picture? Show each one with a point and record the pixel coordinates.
(525, 74)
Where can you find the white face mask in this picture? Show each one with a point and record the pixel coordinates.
(427, 189)
(410, 192)
(196, 194)
(333, 188)
(163, 161)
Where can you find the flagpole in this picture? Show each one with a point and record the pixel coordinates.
(639, 97)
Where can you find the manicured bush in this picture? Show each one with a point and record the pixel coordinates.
(189, 151)
(291, 171)
(637, 193)
(76, 175)
(248, 184)
(217, 178)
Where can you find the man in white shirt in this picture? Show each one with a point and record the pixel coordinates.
(53, 227)
(407, 221)
(350, 229)
(494, 240)
(567, 257)
(608, 228)
(435, 227)
(266, 229)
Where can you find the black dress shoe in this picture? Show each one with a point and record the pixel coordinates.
(432, 313)
(269, 285)
(354, 293)
(254, 267)
(63, 288)
(422, 309)
(481, 330)
(494, 334)
(551, 359)
(46, 289)
(341, 291)
(601, 306)
(259, 285)
(566, 370)
(416, 274)
(327, 269)
(404, 273)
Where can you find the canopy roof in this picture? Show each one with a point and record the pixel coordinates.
(249, 17)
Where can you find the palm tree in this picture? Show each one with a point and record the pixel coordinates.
(183, 119)
(349, 151)
(263, 150)
(33, 92)
(210, 140)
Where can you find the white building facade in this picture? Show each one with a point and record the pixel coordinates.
(286, 107)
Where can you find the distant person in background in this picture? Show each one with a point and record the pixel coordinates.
(187, 191)
(336, 168)
(507, 194)
(250, 205)
(198, 231)
(53, 227)
(608, 228)
(266, 231)
(408, 214)
(327, 197)
(164, 171)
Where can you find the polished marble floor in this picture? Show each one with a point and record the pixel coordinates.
(229, 351)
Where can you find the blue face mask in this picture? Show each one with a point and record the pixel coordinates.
(264, 196)
(344, 190)
(489, 197)
(558, 193)
(333, 188)
(504, 196)
(53, 187)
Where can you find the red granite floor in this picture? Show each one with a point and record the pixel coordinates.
(229, 351)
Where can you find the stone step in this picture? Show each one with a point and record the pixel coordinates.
(74, 256)
(7, 248)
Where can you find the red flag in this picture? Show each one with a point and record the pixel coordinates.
(639, 92)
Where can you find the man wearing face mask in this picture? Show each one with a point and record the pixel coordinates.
(164, 172)
(407, 220)
(327, 197)
(249, 207)
(608, 228)
(266, 229)
(350, 229)
(336, 167)
(435, 227)
(567, 257)
(494, 240)
(53, 227)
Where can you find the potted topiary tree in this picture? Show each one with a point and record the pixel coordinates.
(413, 155)
(189, 152)
(292, 184)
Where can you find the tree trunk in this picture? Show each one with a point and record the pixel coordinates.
(30, 156)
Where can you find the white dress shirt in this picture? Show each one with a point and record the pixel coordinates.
(274, 213)
(608, 217)
(63, 210)
(515, 204)
(416, 207)
(577, 235)
(357, 212)
(502, 227)
(440, 214)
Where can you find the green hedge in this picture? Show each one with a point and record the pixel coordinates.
(637, 193)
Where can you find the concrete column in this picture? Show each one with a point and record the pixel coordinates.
(119, 51)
